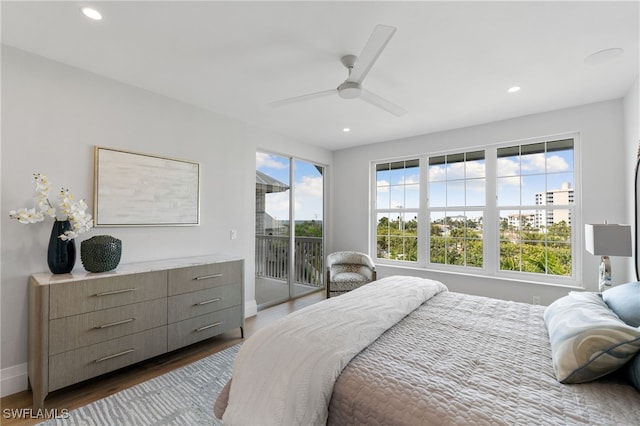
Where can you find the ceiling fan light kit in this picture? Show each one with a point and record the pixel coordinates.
(349, 90)
(358, 68)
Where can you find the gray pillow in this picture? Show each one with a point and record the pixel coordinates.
(624, 300)
(588, 340)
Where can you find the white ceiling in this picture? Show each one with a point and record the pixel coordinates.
(449, 63)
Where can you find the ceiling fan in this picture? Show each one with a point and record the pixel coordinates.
(359, 67)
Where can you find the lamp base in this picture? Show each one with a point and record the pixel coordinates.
(604, 281)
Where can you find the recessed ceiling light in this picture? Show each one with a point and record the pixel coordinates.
(514, 89)
(602, 56)
(91, 13)
(346, 129)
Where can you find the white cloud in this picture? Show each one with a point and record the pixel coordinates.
(411, 180)
(437, 173)
(308, 200)
(555, 163)
(533, 163)
(277, 205)
(507, 167)
(453, 171)
(269, 160)
(475, 169)
(310, 186)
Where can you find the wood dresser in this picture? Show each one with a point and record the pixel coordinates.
(82, 325)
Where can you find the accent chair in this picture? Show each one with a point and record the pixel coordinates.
(348, 270)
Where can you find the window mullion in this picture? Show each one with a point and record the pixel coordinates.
(491, 237)
(423, 213)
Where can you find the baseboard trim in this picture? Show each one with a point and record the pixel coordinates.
(13, 379)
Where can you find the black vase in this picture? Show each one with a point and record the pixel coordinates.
(61, 255)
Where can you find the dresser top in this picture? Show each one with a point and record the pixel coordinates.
(46, 278)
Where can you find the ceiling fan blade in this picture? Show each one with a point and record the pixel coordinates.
(310, 96)
(375, 45)
(376, 100)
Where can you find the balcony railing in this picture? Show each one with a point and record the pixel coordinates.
(272, 259)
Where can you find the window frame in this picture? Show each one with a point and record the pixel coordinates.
(403, 209)
(491, 246)
(464, 208)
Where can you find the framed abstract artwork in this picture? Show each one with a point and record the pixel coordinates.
(133, 189)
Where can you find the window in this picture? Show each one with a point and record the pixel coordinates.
(502, 210)
(397, 206)
(456, 208)
(535, 188)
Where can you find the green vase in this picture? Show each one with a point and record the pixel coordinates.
(100, 253)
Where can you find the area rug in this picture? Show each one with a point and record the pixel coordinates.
(184, 396)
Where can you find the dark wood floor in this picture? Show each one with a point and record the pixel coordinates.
(84, 393)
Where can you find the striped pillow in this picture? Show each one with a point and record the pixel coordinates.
(588, 340)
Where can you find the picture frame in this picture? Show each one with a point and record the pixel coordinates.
(135, 189)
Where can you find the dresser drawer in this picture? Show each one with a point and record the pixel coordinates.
(81, 330)
(81, 364)
(106, 292)
(193, 330)
(189, 305)
(193, 278)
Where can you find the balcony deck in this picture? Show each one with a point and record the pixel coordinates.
(272, 268)
(270, 291)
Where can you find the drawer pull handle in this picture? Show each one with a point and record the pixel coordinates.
(197, 330)
(107, 293)
(206, 302)
(207, 277)
(111, 324)
(128, 351)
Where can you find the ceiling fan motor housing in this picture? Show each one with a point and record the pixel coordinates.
(349, 90)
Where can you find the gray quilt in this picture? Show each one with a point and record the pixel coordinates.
(461, 359)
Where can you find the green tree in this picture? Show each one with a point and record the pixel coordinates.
(311, 228)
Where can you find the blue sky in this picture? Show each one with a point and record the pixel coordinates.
(308, 184)
(519, 178)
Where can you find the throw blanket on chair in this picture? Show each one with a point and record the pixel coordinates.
(284, 374)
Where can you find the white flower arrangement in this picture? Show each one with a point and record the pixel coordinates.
(74, 212)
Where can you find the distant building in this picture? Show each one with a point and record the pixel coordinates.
(265, 224)
(562, 196)
(518, 221)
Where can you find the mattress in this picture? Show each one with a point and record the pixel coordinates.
(460, 359)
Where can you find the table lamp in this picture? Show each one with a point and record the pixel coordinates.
(606, 240)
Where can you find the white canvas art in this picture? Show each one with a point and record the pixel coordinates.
(134, 189)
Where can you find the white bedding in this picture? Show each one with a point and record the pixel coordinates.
(285, 373)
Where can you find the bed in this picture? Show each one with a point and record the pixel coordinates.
(434, 357)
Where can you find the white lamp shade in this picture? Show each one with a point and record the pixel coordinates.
(608, 239)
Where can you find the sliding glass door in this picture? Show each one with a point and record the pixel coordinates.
(289, 228)
(309, 228)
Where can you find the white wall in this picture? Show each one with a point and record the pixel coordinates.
(603, 150)
(53, 115)
(632, 152)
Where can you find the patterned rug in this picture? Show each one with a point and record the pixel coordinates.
(184, 396)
